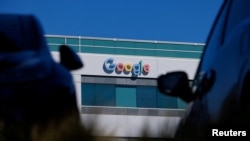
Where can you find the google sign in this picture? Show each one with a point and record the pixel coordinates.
(136, 69)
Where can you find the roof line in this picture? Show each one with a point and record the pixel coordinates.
(131, 40)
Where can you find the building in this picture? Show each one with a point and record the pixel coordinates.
(117, 86)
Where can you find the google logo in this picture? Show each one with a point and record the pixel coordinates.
(136, 69)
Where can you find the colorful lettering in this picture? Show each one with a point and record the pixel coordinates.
(109, 64)
(135, 69)
(146, 68)
(119, 67)
(128, 67)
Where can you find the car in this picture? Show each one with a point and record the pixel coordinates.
(34, 89)
(218, 96)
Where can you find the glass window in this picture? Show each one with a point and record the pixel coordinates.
(181, 104)
(146, 97)
(125, 96)
(55, 40)
(72, 41)
(237, 16)
(88, 94)
(98, 95)
(104, 95)
(164, 101)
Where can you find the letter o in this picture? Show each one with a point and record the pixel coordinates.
(128, 67)
(119, 67)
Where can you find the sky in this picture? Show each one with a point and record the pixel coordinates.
(159, 20)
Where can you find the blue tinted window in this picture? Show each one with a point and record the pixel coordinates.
(181, 104)
(98, 95)
(126, 96)
(88, 94)
(146, 97)
(165, 101)
(104, 95)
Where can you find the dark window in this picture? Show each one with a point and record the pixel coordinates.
(104, 95)
(165, 101)
(88, 94)
(98, 95)
(127, 96)
(146, 97)
(181, 104)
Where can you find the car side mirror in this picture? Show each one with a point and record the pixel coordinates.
(69, 59)
(175, 84)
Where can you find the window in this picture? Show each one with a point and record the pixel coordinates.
(104, 95)
(98, 95)
(88, 94)
(165, 101)
(146, 97)
(181, 104)
(125, 96)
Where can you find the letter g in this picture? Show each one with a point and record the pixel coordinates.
(109, 64)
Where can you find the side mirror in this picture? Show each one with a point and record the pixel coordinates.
(175, 84)
(69, 59)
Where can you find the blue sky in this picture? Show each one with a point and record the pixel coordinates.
(161, 20)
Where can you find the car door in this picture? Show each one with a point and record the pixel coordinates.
(221, 76)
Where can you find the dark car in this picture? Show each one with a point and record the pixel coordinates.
(219, 94)
(34, 89)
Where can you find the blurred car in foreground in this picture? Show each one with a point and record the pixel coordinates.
(220, 92)
(34, 89)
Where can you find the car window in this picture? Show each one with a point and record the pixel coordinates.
(215, 39)
(239, 11)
